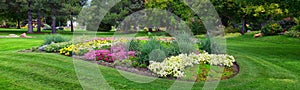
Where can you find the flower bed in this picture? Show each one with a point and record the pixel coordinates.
(162, 57)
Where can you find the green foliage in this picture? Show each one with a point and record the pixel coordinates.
(54, 39)
(295, 34)
(172, 49)
(287, 24)
(126, 62)
(231, 29)
(157, 55)
(117, 13)
(297, 20)
(271, 29)
(146, 48)
(133, 45)
(295, 28)
(197, 26)
(185, 43)
(55, 47)
(205, 45)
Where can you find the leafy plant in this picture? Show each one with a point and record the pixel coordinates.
(186, 43)
(295, 28)
(231, 29)
(293, 33)
(272, 29)
(171, 49)
(133, 45)
(55, 39)
(205, 45)
(197, 26)
(146, 49)
(287, 23)
(55, 47)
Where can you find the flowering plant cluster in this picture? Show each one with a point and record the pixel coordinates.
(116, 52)
(68, 51)
(82, 48)
(174, 66)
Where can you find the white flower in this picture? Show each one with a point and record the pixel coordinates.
(175, 65)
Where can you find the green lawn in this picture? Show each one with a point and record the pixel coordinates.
(271, 62)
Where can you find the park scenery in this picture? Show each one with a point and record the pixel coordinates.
(150, 44)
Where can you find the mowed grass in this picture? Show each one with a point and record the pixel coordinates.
(271, 62)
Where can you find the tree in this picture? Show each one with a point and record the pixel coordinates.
(14, 10)
(30, 28)
(182, 10)
(109, 12)
(72, 8)
(55, 6)
(244, 11)
(40, 7)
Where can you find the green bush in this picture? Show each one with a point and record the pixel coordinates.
(197, 26)
(171, 49)
(295, 28)
(133, 45)
(186, 43)
(231, 29)
(205, 45)
(293, 33)
(55, 39)
(146, 48)
(55, 47)
(271, 29)
(287, 24)
(297, 20)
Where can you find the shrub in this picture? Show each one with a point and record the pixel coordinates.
(293, 33)
(205, 45)
(286, 24)
(231, 29)
(295, 28)
(146, 48)
(185, 43)
(271, 29)
(171, 49)
(157, 55)
(197, 26)
(125, 62)
(54, 39)
(55, 47)
(297, 20)
(133, 45)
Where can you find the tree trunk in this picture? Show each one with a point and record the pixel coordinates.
(72, 27)
(19, 26)
(53, 21)
(39, 22)
(243, 26)
(30, 29)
